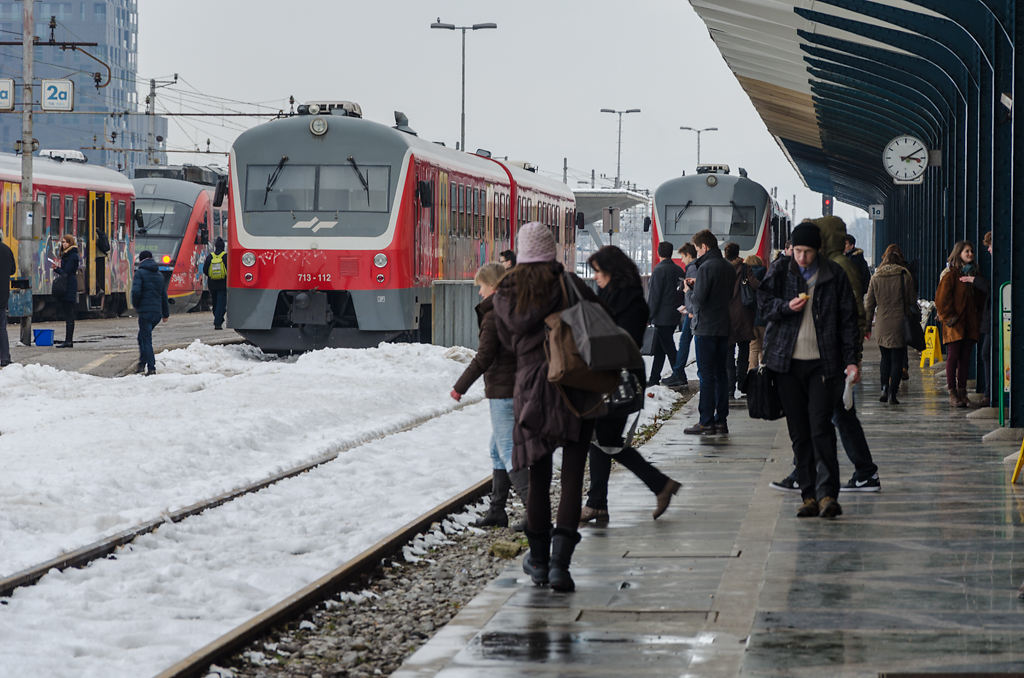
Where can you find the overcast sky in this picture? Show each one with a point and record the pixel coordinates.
(534, 86)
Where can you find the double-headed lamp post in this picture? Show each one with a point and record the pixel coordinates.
(453, 27)
(618, 161)
(698, 131)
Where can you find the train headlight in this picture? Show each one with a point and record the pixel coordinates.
(318, 126)
(248, 259)
(712, 180)
(380, 260)
(166, 259)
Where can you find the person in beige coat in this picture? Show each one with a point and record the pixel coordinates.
(890, 301)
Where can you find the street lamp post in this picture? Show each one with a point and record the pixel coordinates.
(453, 27)
(618, 161)
(698, 131)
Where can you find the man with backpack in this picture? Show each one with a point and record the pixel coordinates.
(741, 319)
(215, 268)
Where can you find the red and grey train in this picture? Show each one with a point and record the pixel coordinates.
(91, 203)
(177, 221)
(339, 225)
(735, 208)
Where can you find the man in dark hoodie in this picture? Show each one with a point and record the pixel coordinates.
(664, 300)
(709, 302)
(149, 297)
(856, 257)
(215, 268)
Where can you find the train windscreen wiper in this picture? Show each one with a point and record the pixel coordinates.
(362, 179)
(272, 179)
(680, 212)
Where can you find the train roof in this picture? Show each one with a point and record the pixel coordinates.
(178, 190)
(695, 182)
(49, 172)
(375, 135)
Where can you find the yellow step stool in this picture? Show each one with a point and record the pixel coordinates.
(932, 348)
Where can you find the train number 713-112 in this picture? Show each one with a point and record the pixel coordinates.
(318, 277)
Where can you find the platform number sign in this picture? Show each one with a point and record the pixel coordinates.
(6, 94)
(876, 212)
(57, 96)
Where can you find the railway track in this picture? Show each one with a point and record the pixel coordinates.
(102, 548)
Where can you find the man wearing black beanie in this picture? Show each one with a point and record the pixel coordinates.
(810, 345)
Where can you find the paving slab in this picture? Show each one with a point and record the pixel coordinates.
(918, 578)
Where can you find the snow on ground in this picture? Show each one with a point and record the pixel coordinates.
(85, 456)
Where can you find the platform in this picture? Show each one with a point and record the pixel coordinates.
(920, 577)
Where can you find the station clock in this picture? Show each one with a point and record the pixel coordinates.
(905, 158)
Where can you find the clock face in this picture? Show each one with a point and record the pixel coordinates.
(905, 158)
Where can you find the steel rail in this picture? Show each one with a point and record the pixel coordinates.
(83, 556)
(196, 664)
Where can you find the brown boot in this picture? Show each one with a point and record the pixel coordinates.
(954, 398)
(962, 395)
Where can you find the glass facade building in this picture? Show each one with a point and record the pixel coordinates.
(98, 120)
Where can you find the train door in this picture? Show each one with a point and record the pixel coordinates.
(98, 241)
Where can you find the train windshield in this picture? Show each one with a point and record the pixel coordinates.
(725, 220)
(317, 188)
(164, 223)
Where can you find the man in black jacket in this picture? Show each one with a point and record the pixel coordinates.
(664, 299)
(810, 344)
(856, 257)
(709, 302)
(149, 297)
(7, 268)
(215, 268)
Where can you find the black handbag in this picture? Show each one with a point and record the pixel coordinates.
(627, 398)
(762, 395)
(913, 333)
(60, 287)
(650, 336)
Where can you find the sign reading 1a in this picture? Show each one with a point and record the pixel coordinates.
(57, 96)
(6, 94)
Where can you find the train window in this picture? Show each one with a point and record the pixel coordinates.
(69, 214)
(55, 214)
(281, 188)
(122, 211)
(41, 216)
(83, 214)
(686, 219)
(349, 188)
(732, 220)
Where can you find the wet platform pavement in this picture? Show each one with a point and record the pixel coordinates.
(921, 577)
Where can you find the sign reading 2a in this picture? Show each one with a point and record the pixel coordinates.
(6, 94)
(57, 96)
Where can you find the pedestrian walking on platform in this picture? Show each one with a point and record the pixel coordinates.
(890, 303)
(709, 303)
(678, 380)
(498, 367)
(810, 342)
(149, 297)
(215, 268)
(860, 264)
(958, 303)
(758, 270)
(525, 297)
(741, 320)
(67, 270)
(622, 294)
(7, 270)
(663, 300)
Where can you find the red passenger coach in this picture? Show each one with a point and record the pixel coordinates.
(91, 203)
(339, 226)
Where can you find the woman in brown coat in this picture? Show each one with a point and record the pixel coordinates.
(498, 367)
(891, 301)
(531, 291)
(958, 306)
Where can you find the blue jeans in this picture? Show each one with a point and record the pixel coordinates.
(146, 325)
(715, 389)
(503, 420)
(683, 354)
(220, 302)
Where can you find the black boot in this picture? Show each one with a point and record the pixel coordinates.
(536, 561)
(563, 543)
(496, 516)
(885, 394)
(521, 484)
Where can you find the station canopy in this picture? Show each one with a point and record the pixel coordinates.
(774, 47)
(593, 201)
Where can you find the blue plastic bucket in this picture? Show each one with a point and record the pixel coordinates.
(43, 337)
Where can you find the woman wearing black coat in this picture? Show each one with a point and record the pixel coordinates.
(622, 294)
(535, 288)
(68, 270)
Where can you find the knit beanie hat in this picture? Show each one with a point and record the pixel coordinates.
(145, 254)
(534, 243)
(806, 235)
